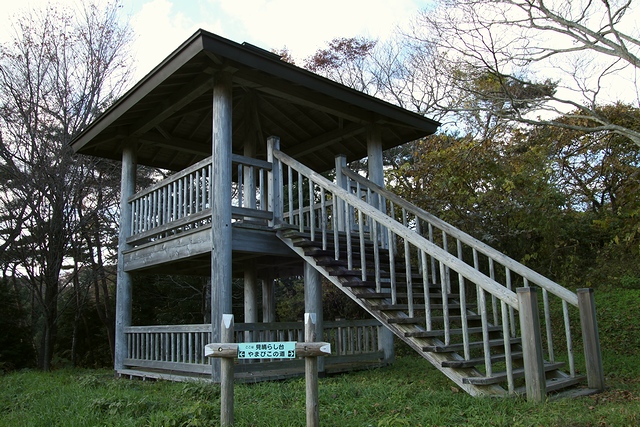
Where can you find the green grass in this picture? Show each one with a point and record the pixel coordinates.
(409, 393)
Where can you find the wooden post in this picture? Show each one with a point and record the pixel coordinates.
(310, 350)
(250, 298)
(226, 374)
(311, 373)
(591, 338)
(221, 232)
(535, 379)
(313, 302)
(341, 181)
(249, 179)
(123, 289)
(268, 301)
(275, 187)
(376, 174)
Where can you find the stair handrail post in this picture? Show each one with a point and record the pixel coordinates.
(534, 373)
(275, 187)
(341, 181)
(590, 338)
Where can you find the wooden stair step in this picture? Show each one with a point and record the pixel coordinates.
(317, 253)
(307, 244)
(434, 319)
(372, 284)
(499, 377)
(344, 272)
(401, 295)
(404, 307)
(454, 331)
(555, 384)
(330, 262)
(442, 348)
(515, 355)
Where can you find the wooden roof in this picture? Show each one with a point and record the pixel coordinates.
(168, 113)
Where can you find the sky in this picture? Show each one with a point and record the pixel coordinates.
(302, 26)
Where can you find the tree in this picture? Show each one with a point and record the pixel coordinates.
(578, 55)
(62, 68)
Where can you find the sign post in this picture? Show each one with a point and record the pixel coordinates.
(311, 373)
(228, 351)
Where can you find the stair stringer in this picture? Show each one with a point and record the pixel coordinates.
(454, 374)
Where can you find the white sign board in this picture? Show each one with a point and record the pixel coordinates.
(267, 350)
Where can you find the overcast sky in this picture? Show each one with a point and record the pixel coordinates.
(302, 26)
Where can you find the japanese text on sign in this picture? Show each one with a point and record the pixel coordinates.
(267, 350)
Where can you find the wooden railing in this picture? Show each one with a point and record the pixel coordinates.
(482, 279)
(180, 348)
(182, 201)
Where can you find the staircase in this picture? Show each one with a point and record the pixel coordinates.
(448, 296)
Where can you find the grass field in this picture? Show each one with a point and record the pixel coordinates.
(409, 393)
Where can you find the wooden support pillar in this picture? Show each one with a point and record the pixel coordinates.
(313, 302)
(374, 155)
(376, 174)
(591, 338)
(268, 301)
(250, 298)
(221, 232)
(534, 374)
(123, 290)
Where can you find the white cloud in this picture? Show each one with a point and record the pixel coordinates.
(305, 26)
(159, 29)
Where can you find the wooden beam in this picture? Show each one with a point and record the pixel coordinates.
(170, 106)
(322, 141)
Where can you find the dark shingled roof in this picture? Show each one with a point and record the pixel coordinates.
(168, 113)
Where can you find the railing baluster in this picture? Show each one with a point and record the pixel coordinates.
(427, 291)
(335, 225)
(347, 227)
(567, 332)
(300, 203)
(290, 193)
(434, 272)
(507, 346)
(323, 218)
(376, 253)
(482, 302)
(547, 321)
(494, 300)
(312, 212)
(463, 307)
(392, 271)
(512, 319)
(361, 237)
(445, 304)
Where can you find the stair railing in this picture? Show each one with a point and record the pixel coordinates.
(505, 270)
(366, 219)
(310, 202)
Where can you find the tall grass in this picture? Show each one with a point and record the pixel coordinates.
(409, 393)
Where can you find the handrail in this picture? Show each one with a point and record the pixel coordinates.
(483, 281)
(181, 201)
(471, 241)
(168, 180)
